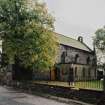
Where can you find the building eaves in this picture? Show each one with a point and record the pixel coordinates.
(64, 40)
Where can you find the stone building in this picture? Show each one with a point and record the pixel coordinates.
(72, 53)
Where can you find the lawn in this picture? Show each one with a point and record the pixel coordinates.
(91, 85)
(94, 85)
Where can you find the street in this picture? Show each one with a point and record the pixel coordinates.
(8, 96)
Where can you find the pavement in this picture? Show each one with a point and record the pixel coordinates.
(9, 96)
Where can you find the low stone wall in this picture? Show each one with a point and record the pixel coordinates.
(88, 96)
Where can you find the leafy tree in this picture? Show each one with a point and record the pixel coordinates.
(99, 42)
(100, 39)
(28, 33)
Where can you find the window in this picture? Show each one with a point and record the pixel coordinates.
(63, 57)
(88, 60)
(76, 57)
(89, 72)
(83, 72)
(76, 72)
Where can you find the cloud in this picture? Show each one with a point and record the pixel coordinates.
(78, 17)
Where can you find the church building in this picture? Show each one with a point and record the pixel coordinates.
(73, 54)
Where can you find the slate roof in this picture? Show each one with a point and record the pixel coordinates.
(72, 42)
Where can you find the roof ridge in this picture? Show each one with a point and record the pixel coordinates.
(65, 36)
(74, 40)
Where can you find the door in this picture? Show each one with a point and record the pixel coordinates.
(57, 74)
(71, 75)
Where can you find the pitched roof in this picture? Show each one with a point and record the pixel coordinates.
(72, 42)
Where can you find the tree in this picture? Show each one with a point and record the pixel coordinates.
(100, 39)
(28, 33)
(99, 42)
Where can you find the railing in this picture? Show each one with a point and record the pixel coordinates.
(91, 83)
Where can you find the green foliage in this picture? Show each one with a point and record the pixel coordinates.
(99, 42)
(100, 39)
(29, 33)
(4, 60)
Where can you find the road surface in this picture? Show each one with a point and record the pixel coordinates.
(10, 97)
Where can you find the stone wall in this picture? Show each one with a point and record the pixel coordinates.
(89, 72)
(70, 54)
(88, 96)
(81, 62)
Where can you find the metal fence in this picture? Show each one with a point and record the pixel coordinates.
(88, 83)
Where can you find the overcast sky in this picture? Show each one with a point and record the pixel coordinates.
(78, 17)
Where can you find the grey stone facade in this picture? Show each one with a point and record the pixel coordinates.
(72, 53)
(82, 62)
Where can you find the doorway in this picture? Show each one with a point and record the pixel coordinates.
(57, 74)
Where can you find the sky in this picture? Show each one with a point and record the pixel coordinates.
(77, 17)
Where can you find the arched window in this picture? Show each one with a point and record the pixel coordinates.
(63, 57)
(76, 57)
(88, 60)
(89, 72)
(83, 72)
(76, 72)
